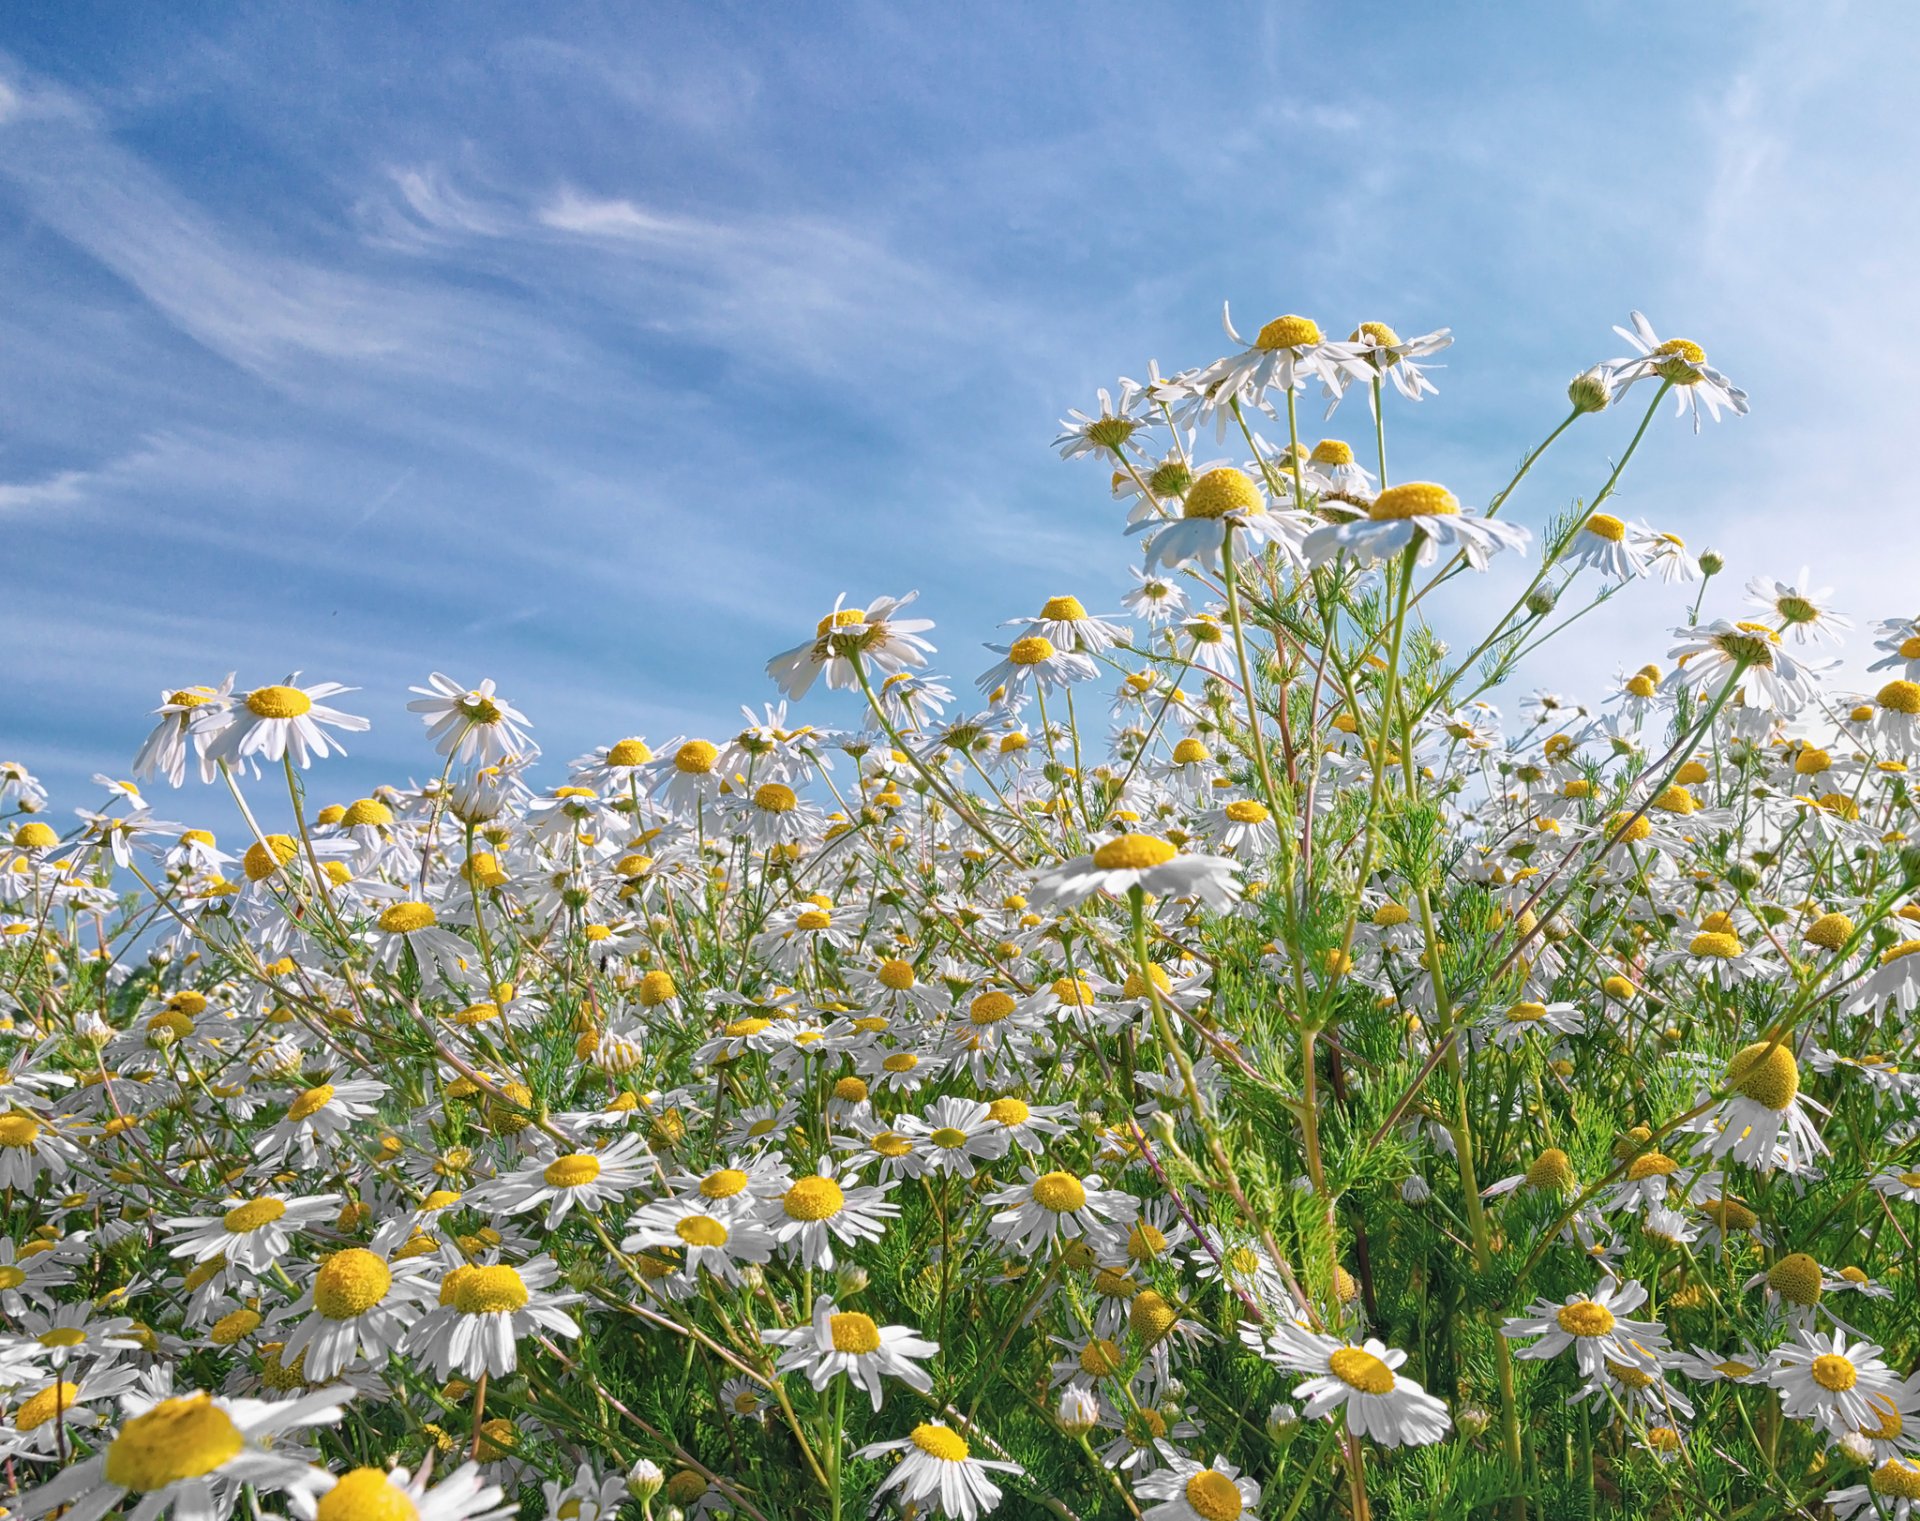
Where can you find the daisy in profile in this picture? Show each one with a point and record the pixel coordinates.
(773, 814)
(1416, 513)
(581, 1179)
(1804, 611)
(485, 1309)
(1284, 355)
(318, 1119)
(1110, 435)
(1190, 1491)
(1360, 1384)
(1218, 503)
(709, 1235)
(471, 724)
(1394, 358)
(393, 1494)
(446, 963)
(1146, 861)
(1617, 549)
(1156, 599)
(251, 1233)
(847, 1342)
(1069, 626)
(1681, 363)
(1709, 656)
(187, 726)
(1034, 661)
(173, 1452)
(274, 723)
(848, 638)
(1524, 1021)
(1763, 1121)
(938, 1472)
(1899, 646)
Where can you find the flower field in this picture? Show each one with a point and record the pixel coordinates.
(1219, 1064)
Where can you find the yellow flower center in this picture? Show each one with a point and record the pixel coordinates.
(1060, 1192)
(1360, 1369)
(1714, 943)
(813, 919)
(775, 797)
(1604, 525)
(278, 702)
(701, 1230)
(1379, 334)
(1584, 1318)
(1133, 852)
(656, 988)
(185, 1438)
(1526, 1013)
(18, 1130)
(1063, 610)
(1331, 451)
(1552, 1170)
(1215, 1497)
(1009, 1111)
(350, 1283)
(990, 1008)
(1035, 649)
(629, 752)
(1682, 355)
(573, 1171)
(368, 811)
(901, 1061)
(311, 1102)
(37, 1410)
(896, 975)
(1150, 1317)
(853, 1332)
(1245, 811)
(1796, 1279)
(1766, 1073)
(490, 1291)
(1898, 1477)
(1415, 499)
(724, 1184)
(251, 1216)
(227, 1330)
(947, 1138)
(1900, 696)
(1220, 492)
(69, 1336)
(1288, 332)
(365, 1494)
(696, 757)
(1833, 1373)
(814, 1198)
(264, 858)
(940, 1442)
(405, 918)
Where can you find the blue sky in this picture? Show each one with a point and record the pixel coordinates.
(596, 349)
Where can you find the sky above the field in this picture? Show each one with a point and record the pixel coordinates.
(597, 349)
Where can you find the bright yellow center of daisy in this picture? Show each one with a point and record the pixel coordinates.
(350, 1283)
(1060, 1192)
(1833, 1373)
(853, 1332)
(1415, 499)
(1246, 811)
(1189, 751)
(1900, 697)
(1898, 1477)
(948, 1138)
(813, 1198)
(368, 811)
(1682, 354)
(1134, 852)
(990, 1008)
(263, 859)
(896, 975)
(1289, 332)
(18, 1130)
(1331, 451)
(1214, 1497)
(1584, 1318)
(1766, 1073)
(365, 1494)
(405, 918)
(1009, 1111)
(1714, 943)
(36, 1411)
(775, 797)
(490, 1291)
(812, 919)
(1035, 649)
(695, 758)
(1551, 1170)
(278, 702)
(1527, 1013)
(185, 1438)
(73, 1336)
(1360, 1369)
(724, 1184)
(250, 1217)
(701, 1230)
(574, 1171)
(629, 752)
(940, 1442)
(1063, 609)
(1604, 525)
(311, 1102)
(1220, 492)
(1796, 1279)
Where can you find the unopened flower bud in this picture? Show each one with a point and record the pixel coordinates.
(1415, 1189)
(1079, 1410)
(850, 1280)
(1473, 1422)
(1283, 1422)
(1711, 562)
(1857, 1446)
(644, 1480)
(1541, 601)
(1591, 390)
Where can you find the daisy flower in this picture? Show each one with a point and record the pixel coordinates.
(1523, 1021)
(1222, 500)
(1416, 513)
(1392, 357)
(937, 1471)
(1111, 433)
(1595, 1326)
(1604, 543)
(1359, 1383)
(187, 726)
(1154, 865)
(1892, 1492)
(716, 1237)
(381, 1494)
(446, 962)
(1683, 364)
(1069, 626)
(1764, 1119)
(847, 1342)
(251, 1233)
(1283, 356)
(188, 1453)
(848, 638)
(1190, 1491)
(1830, 1379)
(818, 1209)
(1157, 599)
(273, 723)
(318, 1119)
(1059, 1206)
(1803, 611)
(583, 1179)
(360, 1305)
(1709, 656)
(484, 1311)
(471, 724)
(1033, 661)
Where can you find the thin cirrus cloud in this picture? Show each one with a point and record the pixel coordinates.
(597, 354)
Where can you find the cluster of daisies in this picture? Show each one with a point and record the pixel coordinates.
(1217, 1068)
